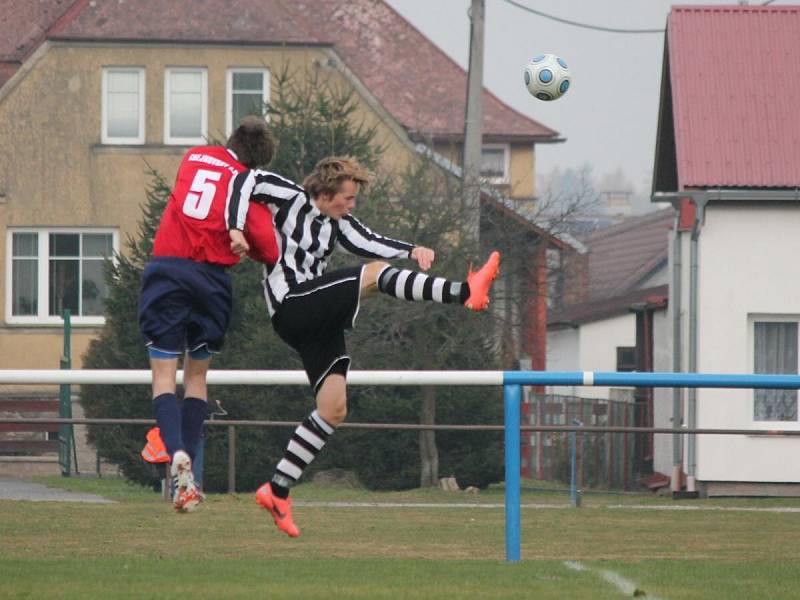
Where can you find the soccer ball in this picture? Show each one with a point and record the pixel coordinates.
(547, 77)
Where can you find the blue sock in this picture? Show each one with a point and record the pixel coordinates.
(193, 415)
(168, 418)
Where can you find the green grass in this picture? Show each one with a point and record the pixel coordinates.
(138, 547)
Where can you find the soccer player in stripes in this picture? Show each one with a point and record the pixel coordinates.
(311, 308)
(185, 302)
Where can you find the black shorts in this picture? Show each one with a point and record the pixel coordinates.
(312, 318)
(184, 304)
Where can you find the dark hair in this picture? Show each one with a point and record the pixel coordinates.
(253, 142)
(330, 172)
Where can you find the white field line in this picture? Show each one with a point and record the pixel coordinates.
(324, 504)
(626, 586)
(775, 509)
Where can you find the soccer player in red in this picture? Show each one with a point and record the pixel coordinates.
(186, 299)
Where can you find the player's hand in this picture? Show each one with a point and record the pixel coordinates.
(239, 245)
(424, 257)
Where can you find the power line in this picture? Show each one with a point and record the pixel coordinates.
(584, 25)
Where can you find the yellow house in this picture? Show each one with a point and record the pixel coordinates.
(93, 93)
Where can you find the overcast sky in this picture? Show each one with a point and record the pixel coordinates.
(609, 114)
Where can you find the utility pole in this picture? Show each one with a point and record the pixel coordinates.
(473, 120)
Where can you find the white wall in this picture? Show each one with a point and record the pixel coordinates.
(598, 348)
(662, 397)
(748, 269)
(591, 347)
(563, 347)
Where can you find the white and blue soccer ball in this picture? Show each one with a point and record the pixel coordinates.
(547, 77)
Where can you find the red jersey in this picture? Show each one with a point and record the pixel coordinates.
(198, 215)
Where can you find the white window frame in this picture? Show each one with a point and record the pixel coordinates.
(186, 141)
(768, 318)
(111, 140)
(506, 148)
(43, 272)
(229, 92)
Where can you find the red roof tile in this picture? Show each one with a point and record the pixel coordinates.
(228, 21)
(624, 255)
(23, 24)
(596, 310)
(415, 80)
(735, 77)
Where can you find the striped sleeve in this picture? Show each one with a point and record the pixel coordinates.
(271, 188)
(238, 201)
(358, 239)
(259, 186)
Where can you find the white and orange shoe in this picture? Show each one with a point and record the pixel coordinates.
(187, 496)
(480, 282)
(279, 508)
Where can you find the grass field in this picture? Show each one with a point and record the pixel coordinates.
(615, 546)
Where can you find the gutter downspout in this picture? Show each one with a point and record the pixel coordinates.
(677, 393)
(691, 450)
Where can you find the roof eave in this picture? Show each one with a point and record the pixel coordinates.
(192, 42)
(450, 137)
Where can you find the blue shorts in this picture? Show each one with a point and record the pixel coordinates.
(184, 305)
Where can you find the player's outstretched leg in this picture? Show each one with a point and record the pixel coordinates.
(411, 285)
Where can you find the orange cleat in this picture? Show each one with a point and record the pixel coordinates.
(280, 509)
(480, 282)
(154, 450)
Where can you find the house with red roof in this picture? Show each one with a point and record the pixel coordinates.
(94, 91)
(728, 158)
(709, 285)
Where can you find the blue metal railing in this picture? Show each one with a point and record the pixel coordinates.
(512, 386)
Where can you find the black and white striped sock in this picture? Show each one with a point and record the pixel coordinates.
(307, 440)
(411, 285)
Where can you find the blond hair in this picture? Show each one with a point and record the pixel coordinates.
(330, 172)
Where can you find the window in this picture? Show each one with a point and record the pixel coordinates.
(52, 270)
(185, 106)
(123, 106)
(494, 163)
(626, 358)
(775, 351)
(248, 93)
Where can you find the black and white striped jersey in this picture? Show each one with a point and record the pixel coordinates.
(306, 238)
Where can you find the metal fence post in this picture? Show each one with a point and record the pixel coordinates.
(512, 395)
(574, 492)
(65, 432)
(231, 459)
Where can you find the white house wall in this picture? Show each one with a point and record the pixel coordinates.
(662, 397)
(563, 348)
(593, 347)
(748, 268)
(598, 350)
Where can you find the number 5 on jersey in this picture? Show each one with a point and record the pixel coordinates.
(198, 201)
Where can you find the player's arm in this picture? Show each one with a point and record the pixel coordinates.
(237, 205)
(250, 234)
(358, 239)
